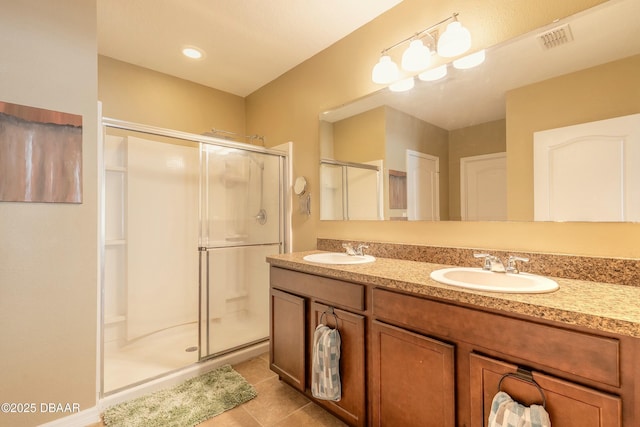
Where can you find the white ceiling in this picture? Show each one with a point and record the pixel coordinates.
(247, 43)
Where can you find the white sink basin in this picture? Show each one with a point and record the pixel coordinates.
(483, 280)
(338, 258)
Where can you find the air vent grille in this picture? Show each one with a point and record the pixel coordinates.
(555, 37)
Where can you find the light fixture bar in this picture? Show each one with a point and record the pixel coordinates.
(419, 34)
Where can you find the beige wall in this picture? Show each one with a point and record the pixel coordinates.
(598, 93)
(140, 95)
(485, 138)
(48, 254)
(405, 132)
(360, 138)
(342, 73)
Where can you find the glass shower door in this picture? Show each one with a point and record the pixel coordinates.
(240, 224)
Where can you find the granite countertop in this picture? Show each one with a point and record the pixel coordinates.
(601, 306)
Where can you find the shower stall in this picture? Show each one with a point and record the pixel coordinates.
(187, 221)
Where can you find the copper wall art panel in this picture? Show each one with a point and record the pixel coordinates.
(40, 155)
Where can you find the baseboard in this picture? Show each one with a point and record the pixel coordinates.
(80, 419)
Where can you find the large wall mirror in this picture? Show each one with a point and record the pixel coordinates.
(462, 148)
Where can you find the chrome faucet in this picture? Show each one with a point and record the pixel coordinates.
(359, 250)
(495, 264)
(512, 263)
(491, 263)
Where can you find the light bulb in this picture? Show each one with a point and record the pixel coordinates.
(470, 61)
(385, 71)
(455, 41)
(402, 85)
(417, 56)
(433, 74)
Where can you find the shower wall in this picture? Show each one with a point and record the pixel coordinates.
(162, 235)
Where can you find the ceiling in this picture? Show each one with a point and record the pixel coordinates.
(247, 43)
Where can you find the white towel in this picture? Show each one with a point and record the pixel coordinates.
(505, 412)
(325, 381)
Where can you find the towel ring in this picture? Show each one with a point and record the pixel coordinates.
(329, 312)
(524, 375)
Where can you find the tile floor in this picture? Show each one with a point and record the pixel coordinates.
(277, 404)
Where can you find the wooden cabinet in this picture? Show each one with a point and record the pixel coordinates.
(570, 366)
(412, 379)
(568, 404)
(288, 343)
(299, 302)
(408, 360)
(352, 406)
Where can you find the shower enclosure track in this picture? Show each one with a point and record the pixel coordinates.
(185, 136)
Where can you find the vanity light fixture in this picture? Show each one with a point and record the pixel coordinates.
(470, 61)
(385, 71)
(455, 41)
(402, 85)
(433, 74)
(417, 56)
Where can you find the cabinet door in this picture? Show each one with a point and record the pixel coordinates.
(412, 379)
(352, 406)
(568, 404)
(287, 350)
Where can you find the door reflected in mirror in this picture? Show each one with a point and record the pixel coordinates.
(478, 125)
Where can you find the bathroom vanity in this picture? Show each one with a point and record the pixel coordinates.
(418, 352)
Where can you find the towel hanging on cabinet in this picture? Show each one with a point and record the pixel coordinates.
(325, 381)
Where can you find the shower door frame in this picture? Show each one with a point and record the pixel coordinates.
(284, 223)
(205, 249)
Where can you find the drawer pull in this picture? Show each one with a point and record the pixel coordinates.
(524, 375)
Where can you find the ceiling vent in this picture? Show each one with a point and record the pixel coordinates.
(555, 37)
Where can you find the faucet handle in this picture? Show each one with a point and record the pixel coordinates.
(512, 263)
(487, 260)
(360, 249)
(349, 248)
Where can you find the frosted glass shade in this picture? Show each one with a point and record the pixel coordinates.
(385, 71)
(433, 74)
(402, 85)
(455, 41)
(417, 56)
(470, 61)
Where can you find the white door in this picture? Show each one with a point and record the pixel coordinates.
(483, 187)
(588, 172)
(423, 181)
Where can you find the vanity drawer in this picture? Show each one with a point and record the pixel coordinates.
(591, 357)
(331, 291)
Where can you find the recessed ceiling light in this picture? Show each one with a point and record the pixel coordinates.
(192, 52)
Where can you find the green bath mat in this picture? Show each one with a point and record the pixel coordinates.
(187, 404)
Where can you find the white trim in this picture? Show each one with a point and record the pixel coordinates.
(79, 419)
(101, 241)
